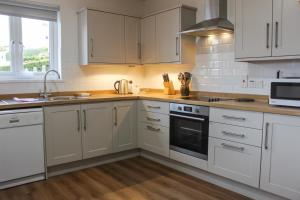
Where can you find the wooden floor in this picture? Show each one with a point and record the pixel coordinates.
(132, 179)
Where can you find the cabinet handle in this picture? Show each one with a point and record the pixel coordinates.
(12, 121)
(234, 118)
(153, 129)
(84, 118)
(232, 147)
(233, 134)
(92, 48)
(276, 34)
(268, 35)
(116, 116)
(177, 45)
(267, 136)
(154, 107)
(153, 120)
(78, 120)
(139, 51)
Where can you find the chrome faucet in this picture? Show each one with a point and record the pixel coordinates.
(45, 94)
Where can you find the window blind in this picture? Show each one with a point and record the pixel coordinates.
(29, 10)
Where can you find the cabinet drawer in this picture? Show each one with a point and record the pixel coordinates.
(154, 138)
(235, 161)
(154, 118)
(236, 133)
(154, 106)
(237, 117)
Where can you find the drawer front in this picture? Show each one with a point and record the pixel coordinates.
(236, 133)
(21, 119)
(154, 138)
(237, 117)
(235, 161)
(154, 106)
(154, 118)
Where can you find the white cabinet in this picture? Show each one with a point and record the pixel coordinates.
(132, 40)
(107, 38)
(235, 161)
(161, 41)
(63, 134)
(280, 163)
(265, 30)
(124, 130)
(148, 40)
(97, 129)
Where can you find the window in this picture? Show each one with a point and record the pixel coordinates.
(28, 40)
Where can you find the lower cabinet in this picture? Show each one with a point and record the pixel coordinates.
(63, 134)
(235, 161)
(97, 128)
(280, 156)
(124, 129)
(154, 138)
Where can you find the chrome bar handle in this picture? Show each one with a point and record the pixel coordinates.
(153, 120)
(92, 47)
(153, 129)
(177, 45)
(267, 136)
(85, 121)
(276, 34)
(233, 134)
(154, 107)
(234, 118)
(116, 116)
(139, 50)
(268, 35)
(78, 121)
(232, 147)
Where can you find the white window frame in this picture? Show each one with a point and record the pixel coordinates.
(17, 72)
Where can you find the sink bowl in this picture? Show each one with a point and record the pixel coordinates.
(61, 98)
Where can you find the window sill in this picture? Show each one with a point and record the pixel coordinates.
(30, 81)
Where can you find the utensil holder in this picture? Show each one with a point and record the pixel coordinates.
(185, 90)
(169, 88)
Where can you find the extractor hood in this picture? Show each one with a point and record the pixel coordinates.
(216, 21)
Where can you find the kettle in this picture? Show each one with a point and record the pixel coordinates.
(121, 86)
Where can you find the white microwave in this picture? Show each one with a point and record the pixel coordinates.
(285, 93)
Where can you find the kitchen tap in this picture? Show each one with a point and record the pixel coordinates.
(44, 93)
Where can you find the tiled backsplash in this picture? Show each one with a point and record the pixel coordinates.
(217, 71)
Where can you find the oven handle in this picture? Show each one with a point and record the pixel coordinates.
(187, 117)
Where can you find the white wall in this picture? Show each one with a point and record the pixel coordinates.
(74, 76)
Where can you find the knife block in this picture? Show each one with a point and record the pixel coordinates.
(169, 88)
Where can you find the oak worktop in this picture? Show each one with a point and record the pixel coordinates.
(258, 106)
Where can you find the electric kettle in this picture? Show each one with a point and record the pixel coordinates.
(121, 86)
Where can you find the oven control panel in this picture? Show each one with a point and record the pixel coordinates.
(190, 109)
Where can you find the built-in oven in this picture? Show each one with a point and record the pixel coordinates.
(189, 126)
(285, 93)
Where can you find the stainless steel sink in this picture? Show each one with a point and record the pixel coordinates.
(61, 98)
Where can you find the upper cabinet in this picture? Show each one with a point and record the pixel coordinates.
(161, 41)
(265, 30)
(106, 38)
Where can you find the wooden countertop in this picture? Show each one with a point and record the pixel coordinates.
(258, 106)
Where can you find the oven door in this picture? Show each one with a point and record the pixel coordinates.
(189, 135)
(285, 93)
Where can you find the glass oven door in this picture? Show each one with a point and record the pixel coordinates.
(189, 135)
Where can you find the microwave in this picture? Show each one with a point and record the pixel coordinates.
(285, 93)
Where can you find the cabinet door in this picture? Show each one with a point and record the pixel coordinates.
(280, 156)
(154, 138)
(106, 37)
(132, 40)
(286, 31)
(234, 161)
(124, 132)
(63, 134)
(148, 40)
(253, 28)
(97, 129)
(167, 38)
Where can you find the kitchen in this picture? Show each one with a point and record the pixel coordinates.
(226, 128)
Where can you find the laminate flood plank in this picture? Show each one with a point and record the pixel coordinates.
(132, 179)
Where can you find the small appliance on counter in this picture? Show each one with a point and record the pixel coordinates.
(168, 85)
(122, 86)
(185, 80)
(285, 92)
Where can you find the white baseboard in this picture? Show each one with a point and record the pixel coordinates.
(245, 190)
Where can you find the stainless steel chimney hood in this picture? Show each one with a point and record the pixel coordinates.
(216, 21)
